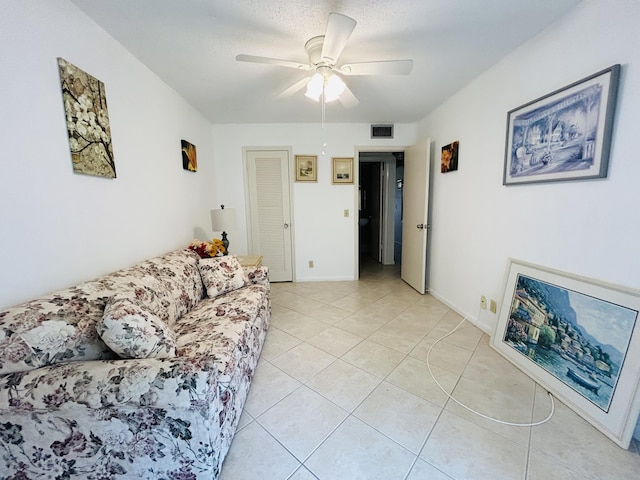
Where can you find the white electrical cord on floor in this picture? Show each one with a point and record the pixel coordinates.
(553, 407)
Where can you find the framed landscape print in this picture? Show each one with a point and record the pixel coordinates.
(306, 168)
(342, 171)
(565, 135)
(579, 339)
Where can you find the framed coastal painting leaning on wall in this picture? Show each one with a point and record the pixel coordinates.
(577, 337)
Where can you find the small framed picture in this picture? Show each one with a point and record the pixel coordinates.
(342, 171)
(306, 168)
(189, 158)
(449, 158)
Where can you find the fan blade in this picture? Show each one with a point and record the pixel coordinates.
(348, 99)
(338, 31)
(299, 85)
(273, 61)
(389, 67)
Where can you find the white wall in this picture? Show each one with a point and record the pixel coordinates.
(590, 228)
(58, 227)
(321, 233)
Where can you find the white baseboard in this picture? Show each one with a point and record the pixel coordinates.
(485, 326)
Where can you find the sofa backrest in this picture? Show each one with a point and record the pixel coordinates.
(61, 327)
(170, 285)
(56, 328)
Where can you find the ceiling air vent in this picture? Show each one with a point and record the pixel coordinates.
(381, 131)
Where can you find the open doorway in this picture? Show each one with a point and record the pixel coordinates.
(381, 177)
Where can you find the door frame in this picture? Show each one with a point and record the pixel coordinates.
(291, 168)
(378, 166)
(388, 206)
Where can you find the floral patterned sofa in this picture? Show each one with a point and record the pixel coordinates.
(187, 332)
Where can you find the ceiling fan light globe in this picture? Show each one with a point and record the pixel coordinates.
(314, 87)
(334, 88)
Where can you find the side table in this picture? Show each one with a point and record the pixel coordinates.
(250, 260)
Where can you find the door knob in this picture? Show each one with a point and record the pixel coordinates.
(286, 225)
(420, 226)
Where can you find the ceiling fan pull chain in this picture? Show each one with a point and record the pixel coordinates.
(324, 132)
(323, 106)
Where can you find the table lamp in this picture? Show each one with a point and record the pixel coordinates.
(223, 219)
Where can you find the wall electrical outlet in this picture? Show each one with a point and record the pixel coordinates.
(310, 263)
(493, 306)
(483, 302)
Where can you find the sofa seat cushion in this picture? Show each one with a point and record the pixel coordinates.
(133, 331)
(116, 419)
(221, 327)
(221, 274)
(232, 328)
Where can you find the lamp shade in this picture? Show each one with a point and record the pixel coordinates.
(223, 219)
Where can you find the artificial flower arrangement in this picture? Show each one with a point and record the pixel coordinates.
(214, 248)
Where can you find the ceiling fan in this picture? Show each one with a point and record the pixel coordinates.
(324, 50)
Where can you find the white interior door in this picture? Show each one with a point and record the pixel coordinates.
(270, 232)
(417, 164)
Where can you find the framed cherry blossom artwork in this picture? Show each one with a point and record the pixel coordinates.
(87, 117)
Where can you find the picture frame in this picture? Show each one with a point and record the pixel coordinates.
(449, 157)
(87, 120)
(306, 168)
(189, 156)
(577, 337)
(564, 135)
(342, 170)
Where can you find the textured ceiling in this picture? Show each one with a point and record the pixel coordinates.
(192, 44)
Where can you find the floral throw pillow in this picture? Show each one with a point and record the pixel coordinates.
(132, 331)
(221, 275)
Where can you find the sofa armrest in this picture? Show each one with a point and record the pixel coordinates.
(151, 382)
(256, 275)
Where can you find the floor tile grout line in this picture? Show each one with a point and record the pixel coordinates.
(302, 462)
(424, 444)
(528, 453)
(442, 410)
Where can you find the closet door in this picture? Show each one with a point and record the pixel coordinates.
(270, 232)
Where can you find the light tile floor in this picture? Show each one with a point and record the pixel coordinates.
(342, 391)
